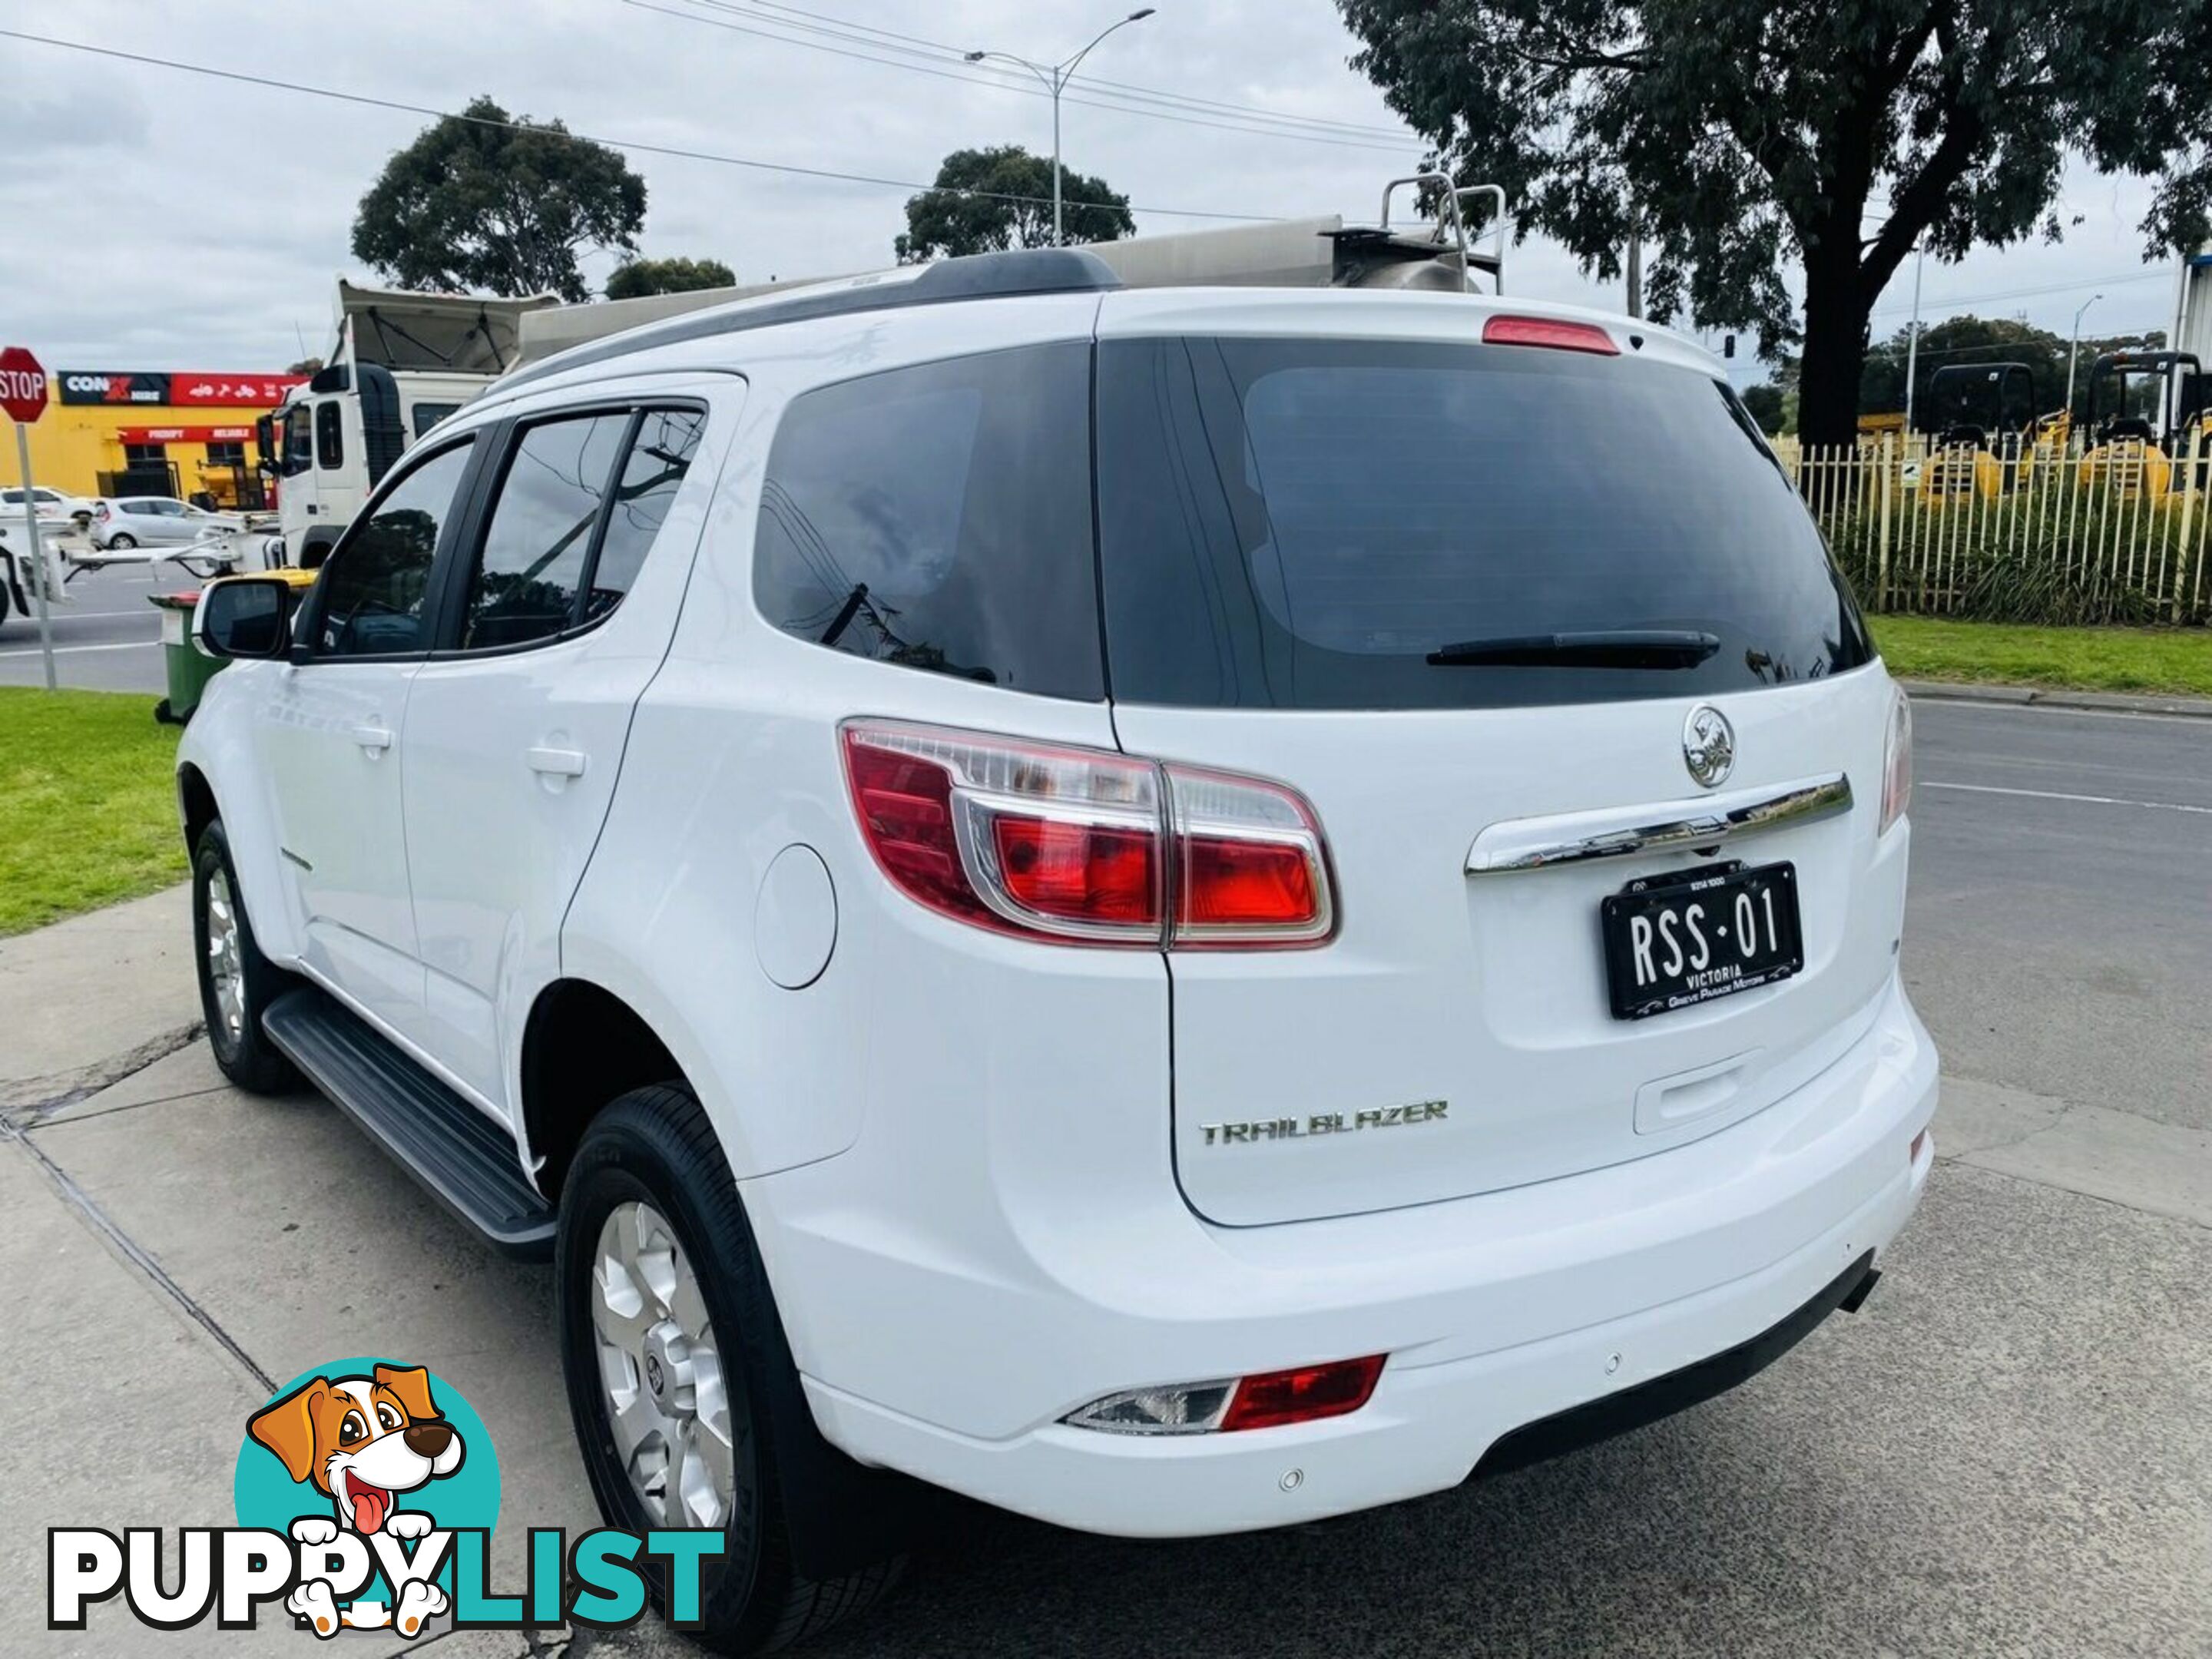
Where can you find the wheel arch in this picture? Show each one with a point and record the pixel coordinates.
(218, 777)
(583, 1047)
(196, 805)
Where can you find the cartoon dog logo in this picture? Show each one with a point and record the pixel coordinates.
(361, 1442)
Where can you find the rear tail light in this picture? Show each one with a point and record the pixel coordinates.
(1225, 1406)
(1086, 846)
(1248, 865)
(1896, 763)
(1012, 835)
(1556, 332)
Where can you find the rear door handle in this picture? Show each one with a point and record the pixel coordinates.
(373, 739)
(556, 762)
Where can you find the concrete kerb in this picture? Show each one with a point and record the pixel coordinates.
(2111, 702)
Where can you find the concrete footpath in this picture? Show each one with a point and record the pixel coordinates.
(2009, 1451)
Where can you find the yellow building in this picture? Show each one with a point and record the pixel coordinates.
(120, 432)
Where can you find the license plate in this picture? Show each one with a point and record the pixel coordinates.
(1676, 941)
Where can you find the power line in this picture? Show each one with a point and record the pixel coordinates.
(1885, 349)
(1002, 81)
(2136, 275)
(1151, 94)
(638, 145)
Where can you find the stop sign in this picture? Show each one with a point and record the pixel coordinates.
(23, 384)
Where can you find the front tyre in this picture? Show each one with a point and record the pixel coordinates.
(237, 982)
(672, 1347)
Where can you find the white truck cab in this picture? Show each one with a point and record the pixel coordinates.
(403, 363)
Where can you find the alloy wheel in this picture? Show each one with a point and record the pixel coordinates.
(226, 956)
(660, 1372)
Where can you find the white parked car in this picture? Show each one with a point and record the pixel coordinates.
(53, 509)
(120, 523)
(1179, 910)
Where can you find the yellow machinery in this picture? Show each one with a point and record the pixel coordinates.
(1983, 416)
(2144, 407)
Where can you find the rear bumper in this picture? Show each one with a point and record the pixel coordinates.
(1595, 1294)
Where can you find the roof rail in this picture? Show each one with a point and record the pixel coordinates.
(972, 276)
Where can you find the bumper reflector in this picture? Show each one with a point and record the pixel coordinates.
(1264, 1401)
(1301, 1395)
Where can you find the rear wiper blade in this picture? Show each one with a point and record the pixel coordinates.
(1614, 648)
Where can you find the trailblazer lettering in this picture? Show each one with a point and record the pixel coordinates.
(1324, 1123)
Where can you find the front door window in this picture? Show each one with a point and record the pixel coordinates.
(379, 576)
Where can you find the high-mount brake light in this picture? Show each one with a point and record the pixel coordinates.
(1556, 333)
(1084, 846)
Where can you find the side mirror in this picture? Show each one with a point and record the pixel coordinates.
(246, 616)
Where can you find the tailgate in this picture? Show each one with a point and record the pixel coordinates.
(1485, 994)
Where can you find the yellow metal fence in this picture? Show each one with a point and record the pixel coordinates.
(2060, 533)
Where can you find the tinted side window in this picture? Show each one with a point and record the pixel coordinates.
(330, 436)
(939, 517)
(659, 455)
(374, 585)
(531, 566)
(429, 415)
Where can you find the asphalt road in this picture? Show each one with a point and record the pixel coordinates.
(2061, 920)
(2008, 1451)
(106, 636)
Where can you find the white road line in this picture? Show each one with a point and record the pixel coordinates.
(65, 650)
(2052, 794)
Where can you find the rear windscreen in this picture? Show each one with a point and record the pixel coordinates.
(1309, 523)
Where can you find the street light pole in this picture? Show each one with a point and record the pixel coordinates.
(1912, 346)
(2074, 350)
(1055, 77)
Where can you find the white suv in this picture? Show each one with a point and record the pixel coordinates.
(1180, 910)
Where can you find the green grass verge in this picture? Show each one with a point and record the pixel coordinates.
(2177, 662)
(87, 807)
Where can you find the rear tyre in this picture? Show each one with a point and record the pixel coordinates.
(122, 542)
(237, 982)
(672, 1350)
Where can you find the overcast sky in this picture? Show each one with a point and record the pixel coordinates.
(157, 219)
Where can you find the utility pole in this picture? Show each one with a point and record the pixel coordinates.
(1912, 346)
(1055, 77)
(1636, 275)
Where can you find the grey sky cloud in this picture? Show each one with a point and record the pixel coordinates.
(182, 221)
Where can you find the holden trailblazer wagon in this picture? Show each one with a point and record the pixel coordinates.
(1179, 909)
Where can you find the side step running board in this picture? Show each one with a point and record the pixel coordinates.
(466, 1161)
